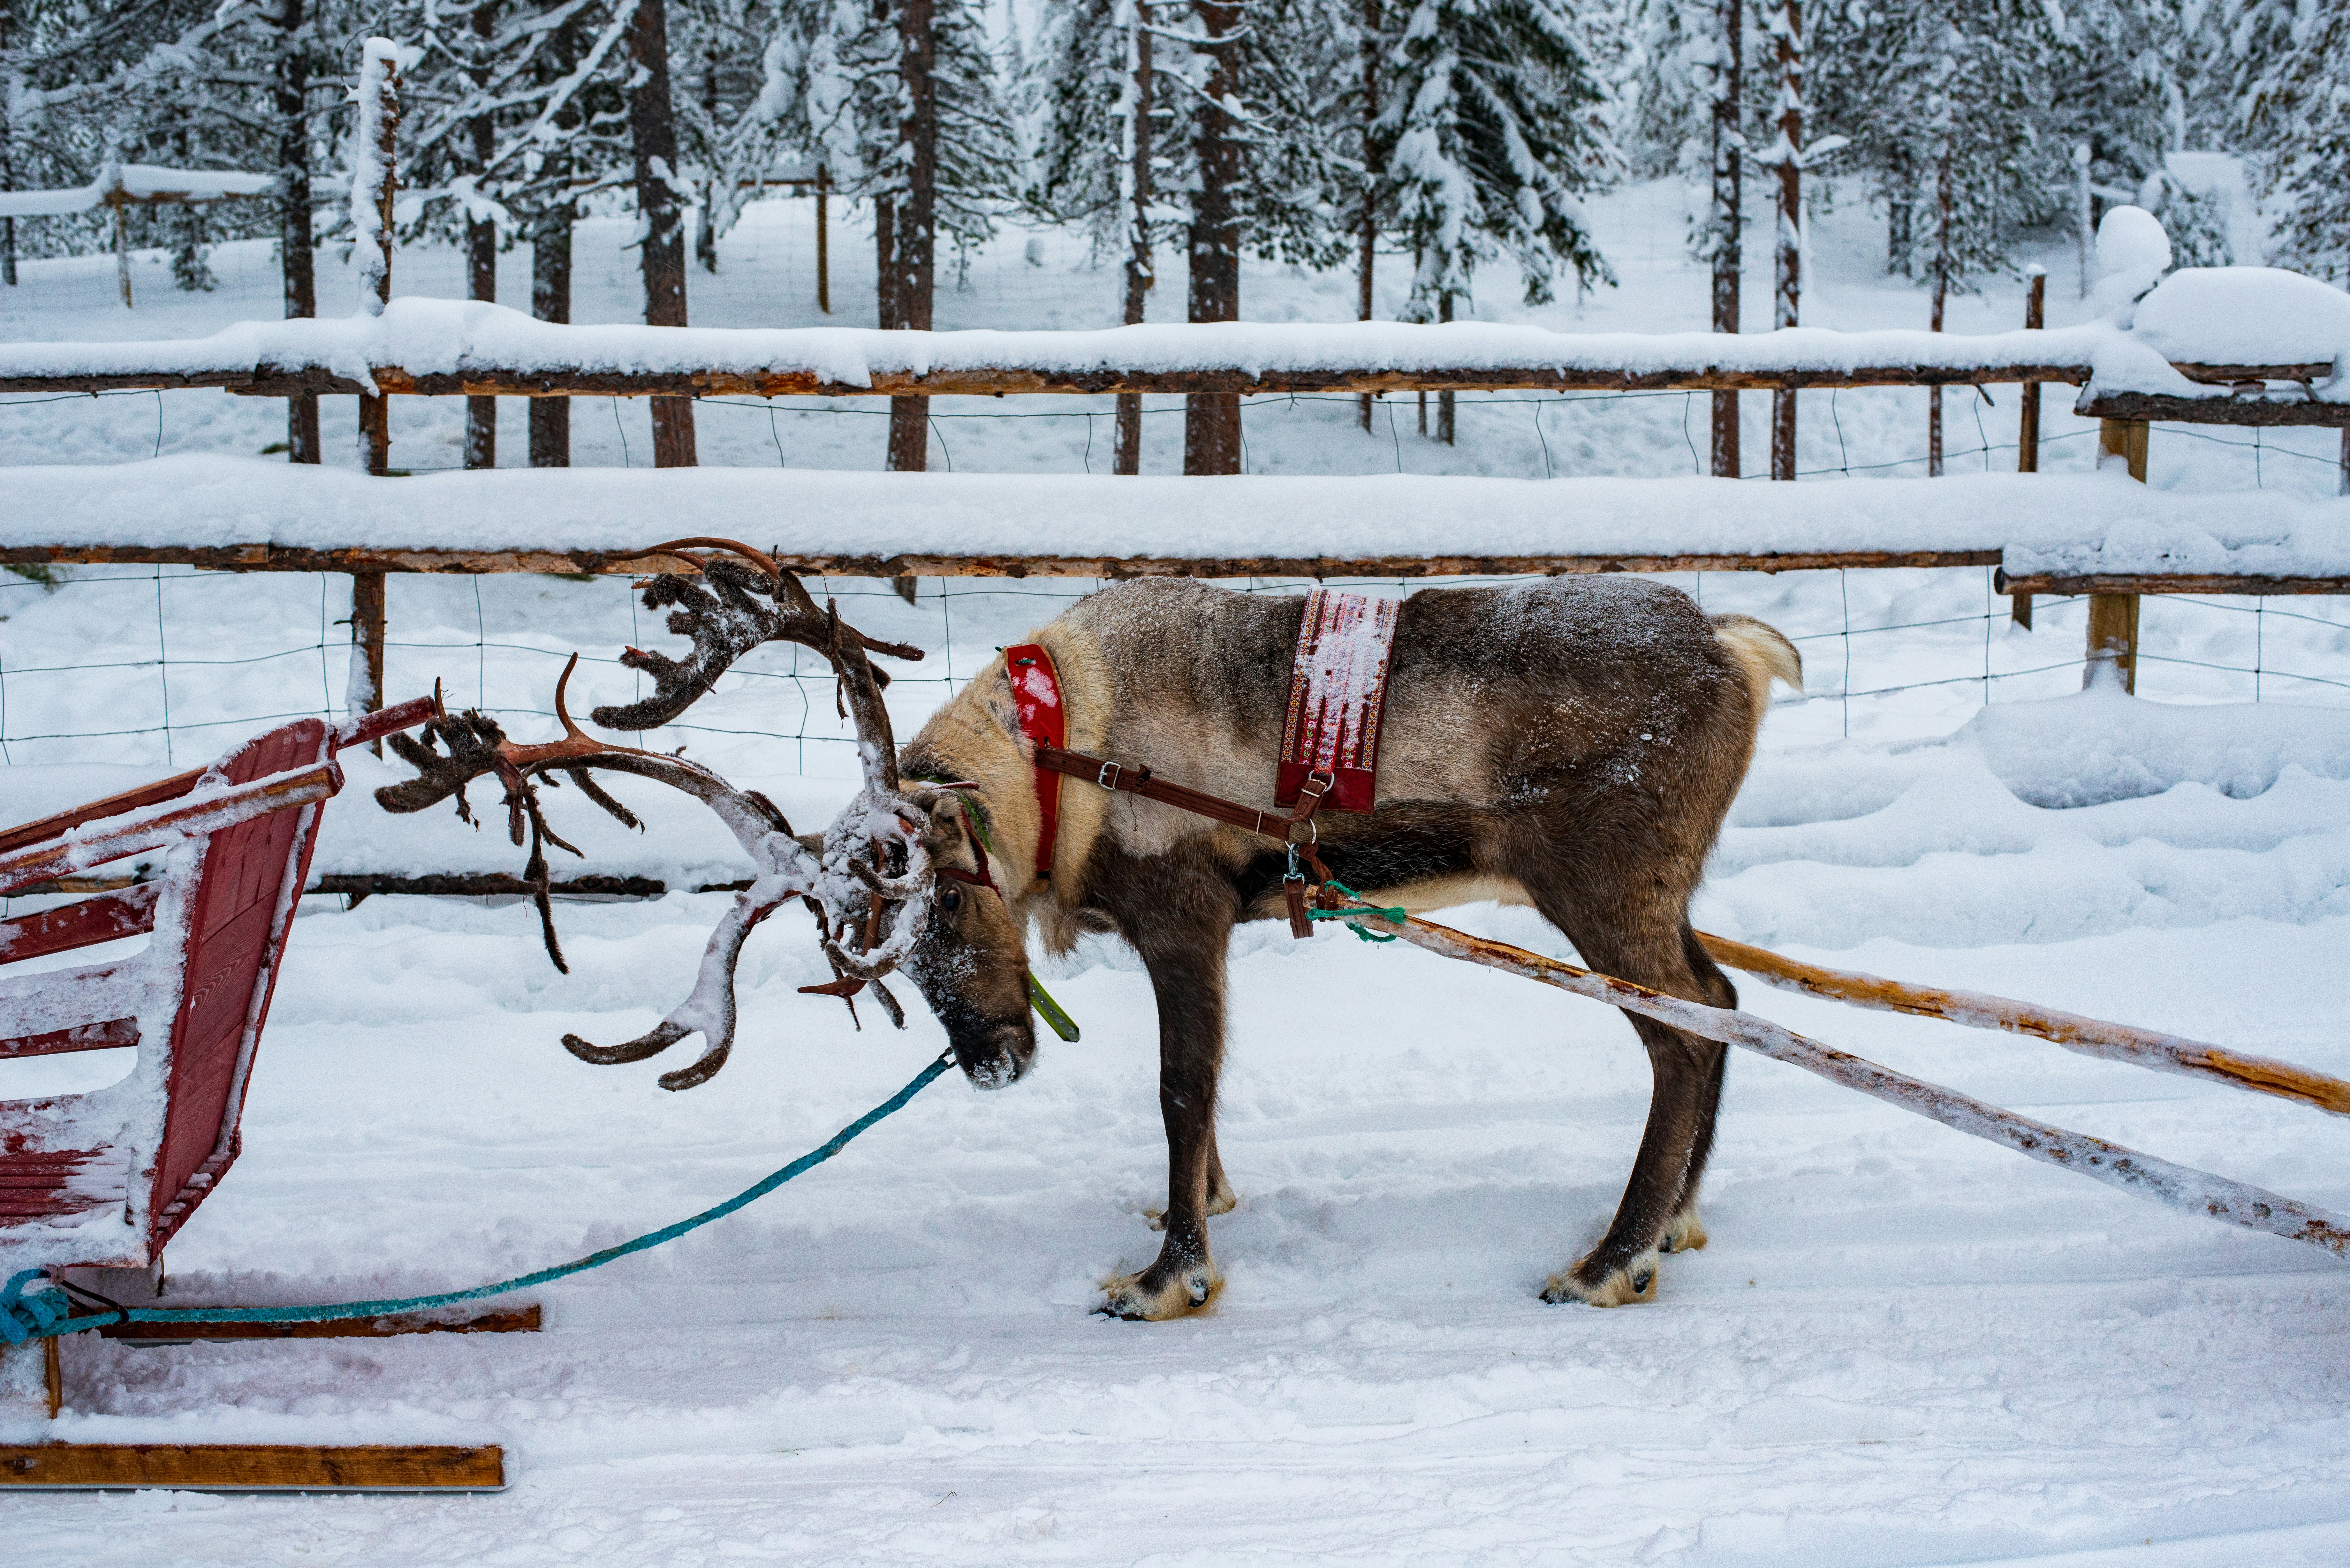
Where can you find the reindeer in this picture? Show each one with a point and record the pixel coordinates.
(1571, 744)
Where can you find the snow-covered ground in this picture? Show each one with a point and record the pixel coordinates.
(1902, 1347)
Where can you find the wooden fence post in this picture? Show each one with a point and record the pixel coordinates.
(365, 693)
(2027, 437)
(121, 244)
(2113, 617)
(374, 180)
(1444, 399)
(823, 241)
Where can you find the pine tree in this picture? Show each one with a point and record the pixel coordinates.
(1090, 92)
(1683, 113)
(904, 101)
(2291, 71)
(1500, 128)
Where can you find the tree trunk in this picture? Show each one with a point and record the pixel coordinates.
(1728, 217)
(1790, 270)
(652, 126)
(1211, 421)
(917, 218)
(1140, 266)
(481, 257)
(1899, 211)
(550, 300)
(705, 232)
(1941, 296)
(8, 181)
(291, 89)
(1367, 239)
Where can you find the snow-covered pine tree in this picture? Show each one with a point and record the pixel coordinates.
(1253, 127)
(172, 82)
(1500, 126)
(454, 115)
(904, 101)
(1944, 109)
(1680, 86)
(1089, 93)
(2291, 71)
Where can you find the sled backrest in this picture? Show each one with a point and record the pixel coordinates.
(149, 1147)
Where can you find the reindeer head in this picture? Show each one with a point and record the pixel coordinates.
(901, 880)
(970, 959)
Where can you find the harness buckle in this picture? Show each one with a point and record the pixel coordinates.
(1108, 776)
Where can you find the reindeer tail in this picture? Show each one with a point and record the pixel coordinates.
(1762, 651)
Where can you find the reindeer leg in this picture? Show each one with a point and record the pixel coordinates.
(1222, 1198)
(1182, 926)
(1657, 1211)
(1686, 1232)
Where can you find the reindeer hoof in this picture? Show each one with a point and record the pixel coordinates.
(1685, 1234)
(1151, 1297)
(1635, 1282)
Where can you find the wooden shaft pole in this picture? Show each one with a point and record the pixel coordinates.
(2113, 617)
(2176, 1187)
(2089, 1036)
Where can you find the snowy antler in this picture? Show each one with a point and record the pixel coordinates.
(725, 617)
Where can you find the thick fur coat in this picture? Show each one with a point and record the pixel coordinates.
(1571, 744)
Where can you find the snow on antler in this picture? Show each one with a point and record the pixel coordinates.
(724, 614)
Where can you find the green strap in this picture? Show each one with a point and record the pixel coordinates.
(1393, 915)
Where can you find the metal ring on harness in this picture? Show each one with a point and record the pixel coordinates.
(1108, 776)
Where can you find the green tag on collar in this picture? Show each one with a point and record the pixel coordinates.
(1060, 1023)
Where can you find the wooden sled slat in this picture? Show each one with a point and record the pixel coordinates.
(253, 1466)
(507, 1320)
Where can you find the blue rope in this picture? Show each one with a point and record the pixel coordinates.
(43, 1315)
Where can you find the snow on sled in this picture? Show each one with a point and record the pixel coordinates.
(92, 1186)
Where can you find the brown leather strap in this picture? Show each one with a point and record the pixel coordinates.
(1278, 827)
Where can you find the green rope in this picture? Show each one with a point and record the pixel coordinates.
(1394, 915)
(43, 1315)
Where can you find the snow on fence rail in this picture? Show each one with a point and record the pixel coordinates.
(435, 347)
(125, 185)
(248, 513)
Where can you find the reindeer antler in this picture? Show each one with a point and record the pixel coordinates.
(725, 617)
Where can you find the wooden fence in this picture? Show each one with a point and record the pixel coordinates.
(309, 358)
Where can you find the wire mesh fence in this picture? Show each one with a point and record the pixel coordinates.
(165, 666)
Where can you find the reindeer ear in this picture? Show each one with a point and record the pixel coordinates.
(997, 694)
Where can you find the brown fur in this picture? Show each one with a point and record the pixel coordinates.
(1571, 744)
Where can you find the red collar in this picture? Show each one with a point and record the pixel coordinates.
(1036, 696)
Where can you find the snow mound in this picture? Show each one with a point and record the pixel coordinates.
(2132, 254)
(2103, 746)
(2245, 316)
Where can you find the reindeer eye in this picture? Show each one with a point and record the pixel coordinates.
(950, 899)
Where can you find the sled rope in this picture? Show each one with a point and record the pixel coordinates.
(44, 1315)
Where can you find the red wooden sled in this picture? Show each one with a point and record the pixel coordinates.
(103, 1181)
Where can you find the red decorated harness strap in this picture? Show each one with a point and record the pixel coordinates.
(1036, 697)
(1337, 688)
